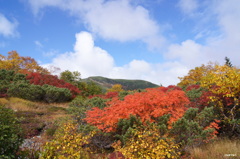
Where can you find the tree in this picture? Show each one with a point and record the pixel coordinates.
(195, 75)
(223, 82)
(115, 88)
(70, 77)
(90, 89)
(18, 63)
(228, 62)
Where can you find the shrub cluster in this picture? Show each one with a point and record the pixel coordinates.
(5, 80)
(17, 85)
(68, 142)
(43, 79)
(45, 93)
(10, 133)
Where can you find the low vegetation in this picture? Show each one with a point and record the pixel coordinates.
(45, 116)
(221, 148)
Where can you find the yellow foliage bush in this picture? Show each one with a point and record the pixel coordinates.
(68, 143)
(147, 144)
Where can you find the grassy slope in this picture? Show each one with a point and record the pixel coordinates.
(127, 84)
(35, 117)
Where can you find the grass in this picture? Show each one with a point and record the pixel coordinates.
(220, 149)
(35, 116)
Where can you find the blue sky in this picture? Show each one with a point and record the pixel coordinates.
(157, 40)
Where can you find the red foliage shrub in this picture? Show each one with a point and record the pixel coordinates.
(147, 105)
(170, 87)
(108, 95)
(41, 79)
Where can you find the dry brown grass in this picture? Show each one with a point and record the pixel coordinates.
(35, 115)
(220, 149)
(3, 101)
(18, 104)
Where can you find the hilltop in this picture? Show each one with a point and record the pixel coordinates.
(106, 83)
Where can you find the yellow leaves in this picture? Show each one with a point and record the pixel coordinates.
(18, 63)
(195, 75)
(67, 143)
(223, 80)
(115, 88)
(147, 144)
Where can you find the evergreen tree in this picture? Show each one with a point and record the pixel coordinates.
(228, 62)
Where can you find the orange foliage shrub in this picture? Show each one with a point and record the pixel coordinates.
(149, 105)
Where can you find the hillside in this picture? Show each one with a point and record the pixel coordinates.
(106, 83)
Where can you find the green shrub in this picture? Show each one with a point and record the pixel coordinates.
(123, 94)
(55, 94)
(78, 108)
(26, 91)
(45, 93)
(80, 105)
(195, 129)
(5, 80)
(19, 77)
(96, 102)
(10, 133)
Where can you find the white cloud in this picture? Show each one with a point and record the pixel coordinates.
(188, 6)
(91, 60)
(224, 42)
(118, 20)
(86, 58)
(100, 15)
(8, 28)
(38, 44)
(188, 52)
(160, 73)
(136, 69)
(228, 13)
(114, 20)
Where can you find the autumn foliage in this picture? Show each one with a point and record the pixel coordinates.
(148, 105)
(41, 79)
(68, 142)
(147, 143)
(19, 63)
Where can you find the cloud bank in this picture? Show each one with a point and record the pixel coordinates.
(117, 19)
(91, 60)
(112, 20)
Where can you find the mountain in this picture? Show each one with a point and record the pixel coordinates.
(106, 83)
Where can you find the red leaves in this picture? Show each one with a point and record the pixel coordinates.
(108, 95)
(147, 105)
(41, 79)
